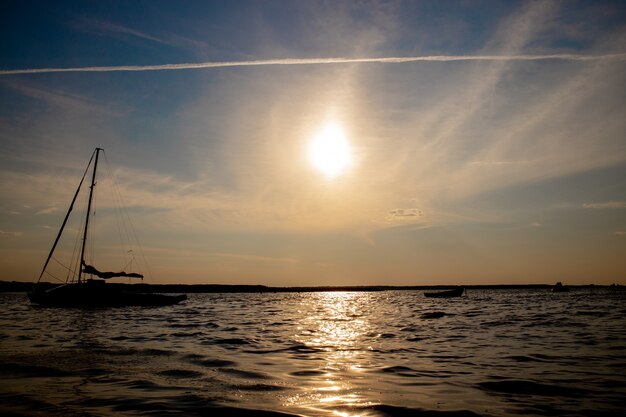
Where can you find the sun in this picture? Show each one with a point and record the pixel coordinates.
(329, 151)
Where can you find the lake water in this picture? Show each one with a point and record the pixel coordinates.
(390, 353)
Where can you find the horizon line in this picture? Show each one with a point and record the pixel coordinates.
(319, 61)
(366, 287)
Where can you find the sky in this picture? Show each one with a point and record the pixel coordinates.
(312, 143)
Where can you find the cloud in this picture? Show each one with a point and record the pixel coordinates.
(501, 124)
(404, 213)
(620, 232)
(103, 27)
(611, 205)
(10, 234)
(322, 61)
(61, 99)
(256, 258)
(497, 163)
(48, 210)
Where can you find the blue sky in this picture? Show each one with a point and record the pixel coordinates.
(481, 170)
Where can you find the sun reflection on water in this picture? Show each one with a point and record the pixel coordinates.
(337, 327)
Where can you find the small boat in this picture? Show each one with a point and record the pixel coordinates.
(87, 287)
(456, 292)
(558, 287)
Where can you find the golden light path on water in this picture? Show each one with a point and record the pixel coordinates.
(337, 326)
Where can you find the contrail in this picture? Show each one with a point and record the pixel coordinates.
(321, 61)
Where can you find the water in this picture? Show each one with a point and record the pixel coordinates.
(492, 353)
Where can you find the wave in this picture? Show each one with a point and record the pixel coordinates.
(513, 386)
(180, 373)
(383, 410)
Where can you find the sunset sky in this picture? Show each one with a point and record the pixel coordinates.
(301, 152)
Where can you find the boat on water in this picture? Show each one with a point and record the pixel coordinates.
(455, 292)
(95, 294)
(558, 287)
(85, 286)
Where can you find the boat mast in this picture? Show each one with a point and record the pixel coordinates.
(67, 215)
(93, 184)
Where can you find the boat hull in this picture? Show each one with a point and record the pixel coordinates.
(94, 296)
(456, 292)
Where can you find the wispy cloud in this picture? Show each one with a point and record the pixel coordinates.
(322, 61)
(255, 258)
(606, 205)
(5, 233)
(103, 27)
(404, 213)
(47, 210)
(496, 163)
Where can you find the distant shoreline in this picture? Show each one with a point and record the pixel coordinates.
(18, 286)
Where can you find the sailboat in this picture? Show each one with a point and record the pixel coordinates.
(89, 288)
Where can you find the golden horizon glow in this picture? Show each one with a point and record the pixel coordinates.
(329, 151)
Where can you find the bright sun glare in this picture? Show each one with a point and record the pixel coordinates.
(329, 151)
